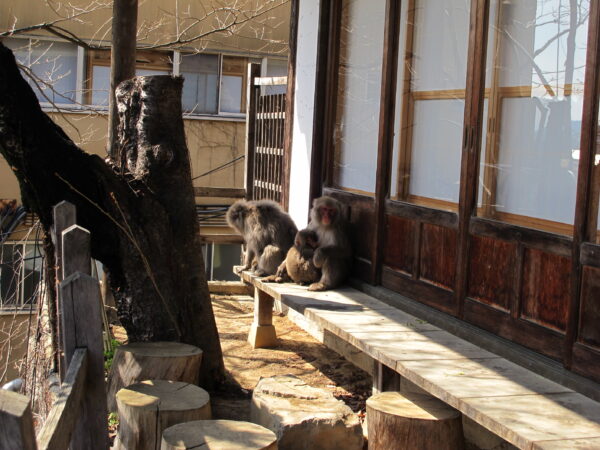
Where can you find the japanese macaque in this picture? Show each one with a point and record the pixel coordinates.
(298, 266)
(334, 254)
(268, 233)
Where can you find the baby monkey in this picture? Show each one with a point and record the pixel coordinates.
(298, 266)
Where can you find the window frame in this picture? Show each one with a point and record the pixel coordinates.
(20, 304)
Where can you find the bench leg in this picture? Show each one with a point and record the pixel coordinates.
(262, 332)
(385, 379)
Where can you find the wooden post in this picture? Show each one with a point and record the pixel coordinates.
(384, 378)
(16, 422)
(79, 300)
(76, 253)
(262, 332)
(64, 216)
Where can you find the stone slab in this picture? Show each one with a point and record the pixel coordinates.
(303, 417)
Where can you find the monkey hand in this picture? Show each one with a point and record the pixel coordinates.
(319, 286)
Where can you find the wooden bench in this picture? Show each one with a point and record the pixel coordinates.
(516, 404)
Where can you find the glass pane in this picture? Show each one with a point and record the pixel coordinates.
(530, 155)
(430, 102)
(276, 68)
(231, 94)
(359, 88)
(200, 85)
(9, 274)
(32, 273)
(100, 85)
(54, 65)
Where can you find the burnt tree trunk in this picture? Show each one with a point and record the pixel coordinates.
(139, 209)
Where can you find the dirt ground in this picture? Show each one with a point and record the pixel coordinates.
(297, 353)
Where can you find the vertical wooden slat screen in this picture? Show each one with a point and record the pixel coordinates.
(266, 125)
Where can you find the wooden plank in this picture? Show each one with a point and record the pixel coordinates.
(253, 72)
(79, 297)
(422, 213)
(202, 191)
(60, 423)
(385, 141)
(473, 120)
(16, 422)
(584, 226)
(542, 240)
(76, 253)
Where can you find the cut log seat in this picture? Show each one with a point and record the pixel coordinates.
(412, 422)
(147, 408)
(218, 435)
(139, 361)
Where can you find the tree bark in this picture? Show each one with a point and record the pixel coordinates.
(140, 210)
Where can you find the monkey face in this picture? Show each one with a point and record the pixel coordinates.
(327, 214)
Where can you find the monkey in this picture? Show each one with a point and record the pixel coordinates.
(268, 233)
(334, 253)
(298, 266)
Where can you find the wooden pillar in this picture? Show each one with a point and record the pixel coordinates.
(262, 332)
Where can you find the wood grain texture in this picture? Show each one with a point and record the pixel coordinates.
(412, 422)
(399, 238)
(589, 331)
(491, 271)
(438, 255)
(79, 300)
(59, 425)
(16, 422)
(148, 408)
(218, 435)
(546, 288)
(76, 253)
(163, 360)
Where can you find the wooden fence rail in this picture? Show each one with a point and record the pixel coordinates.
(78, 418)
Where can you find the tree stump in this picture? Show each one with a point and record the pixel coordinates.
(147, 408)
(412, 421)
(217, 435)
(139, 361)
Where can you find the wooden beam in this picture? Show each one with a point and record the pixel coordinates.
(473, 120)
(385, 147)
(201, 191)
(290, 105)
(60, 423)
(585, 202)
(16, 422)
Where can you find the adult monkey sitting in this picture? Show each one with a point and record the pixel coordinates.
(334, 253)
(268, 233)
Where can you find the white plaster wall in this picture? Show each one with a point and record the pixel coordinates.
(306, 65)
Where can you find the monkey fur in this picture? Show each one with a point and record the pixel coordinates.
(298, 266)
(267, 230)
(334, 253)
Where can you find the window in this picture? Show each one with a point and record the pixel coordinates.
(213, 84)
(530, 156)
(430, 106)
(20, 274)
(53, 66)
(359, 88)
(147, 63)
